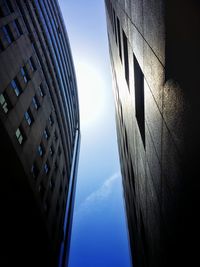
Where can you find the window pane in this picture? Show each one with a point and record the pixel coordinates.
(50, 120)
(16, 87)
(46, 168)
(41, 91)
(35, 102)
(40, 150)
(139, 98)
(19, 135)
(7, 34)
(126, 60)
(4, 103)
(32, 64)
(28, 117)
(20, 139)
(2, 99)
(24, 74)
(17, 28)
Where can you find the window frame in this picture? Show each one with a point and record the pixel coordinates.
(139, 98)
(46, 134)
(17, 27)
(21, 136)
(41, 90)
(8, 36)
(16, 86)
(24, 74)
(29, 117)
(35, 102)
(32, 64)
(41, 150)
(5, 104)
(46, 168)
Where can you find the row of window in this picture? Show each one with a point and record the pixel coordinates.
(20, 134)
(28, 114)
(41, 148)
(41, 151)
(121, 42)
(46, 170)
(15, 85)
(6, 105)
(9, 33)
(138, 74)
(5, 102)
(40, 37)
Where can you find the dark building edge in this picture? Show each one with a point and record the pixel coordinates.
(49, 256)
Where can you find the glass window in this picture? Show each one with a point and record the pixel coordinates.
(16, 87)
(46, 134)
(28, 117)
(4, 102)
(32, 64)
(40, 150)
(7, 34)
(24, 74)
(46, 168)
(119, 38)
(139, 98)
(35, 102)
(17, 28)
(20, 136)
(126, 59)
(41, 91)
(50, 120)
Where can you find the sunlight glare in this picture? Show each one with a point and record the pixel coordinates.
(91, 90)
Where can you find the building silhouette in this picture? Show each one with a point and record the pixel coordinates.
(39, 134)
(154, 52)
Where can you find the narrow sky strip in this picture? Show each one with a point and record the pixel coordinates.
(99, 232)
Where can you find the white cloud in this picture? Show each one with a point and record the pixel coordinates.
(101, 194)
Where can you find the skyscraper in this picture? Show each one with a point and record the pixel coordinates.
(154, 52)
(39, 134)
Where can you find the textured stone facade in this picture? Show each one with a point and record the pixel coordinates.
(154, 51)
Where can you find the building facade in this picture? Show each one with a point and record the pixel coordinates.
(154, 52)
(40, 134)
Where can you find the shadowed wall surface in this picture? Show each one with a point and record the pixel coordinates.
(158, 125)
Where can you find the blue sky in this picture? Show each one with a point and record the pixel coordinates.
(99, 232)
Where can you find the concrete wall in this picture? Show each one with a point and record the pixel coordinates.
(160, 185)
